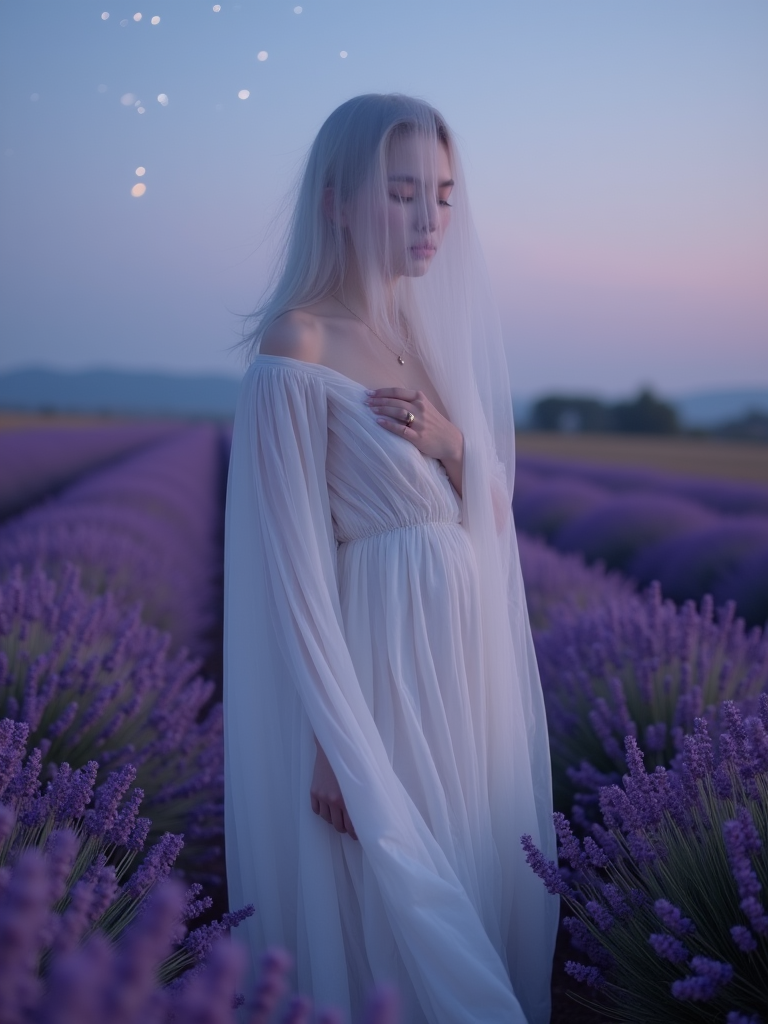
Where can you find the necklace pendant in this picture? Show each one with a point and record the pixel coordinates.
(401, 360)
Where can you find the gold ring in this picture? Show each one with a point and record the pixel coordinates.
(409, 419)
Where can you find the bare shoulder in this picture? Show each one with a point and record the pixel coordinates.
(297, 334)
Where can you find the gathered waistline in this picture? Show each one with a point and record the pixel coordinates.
(394, 529)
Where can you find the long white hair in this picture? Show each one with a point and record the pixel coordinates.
(333, 216)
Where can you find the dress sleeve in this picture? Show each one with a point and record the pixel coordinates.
(281, 552)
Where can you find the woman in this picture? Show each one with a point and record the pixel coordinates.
(385, 735)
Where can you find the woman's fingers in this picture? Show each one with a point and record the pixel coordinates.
(337, 818)
(405, 394)
(396, 412)
(348, 824)
(335, 813)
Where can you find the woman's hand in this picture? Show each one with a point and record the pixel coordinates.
(429, 430)
(327, 800)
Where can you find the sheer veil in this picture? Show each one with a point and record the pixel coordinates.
(452, 321)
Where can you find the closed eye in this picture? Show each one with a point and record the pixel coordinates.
(409, 199)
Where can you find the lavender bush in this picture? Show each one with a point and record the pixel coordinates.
(666, 896)
(563, 584)
(542, 508)
(748, 586)
(92, 682)
(65, 868)
(37, 462)
(727, 497)
(639, 666)
(620, 527)
(99, 981)
(147, 529)
(707, 561)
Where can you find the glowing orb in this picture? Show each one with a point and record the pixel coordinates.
(105, 15)
(155, 20)
(123, 23)
(262, 55)
(297, 10)
(162, 99)
(138, 189)
(140, 172)
(137, 17)
(137, 103)
(343, 53)
(128, 99)
(243, 94)
(141, 110)
(217, 7)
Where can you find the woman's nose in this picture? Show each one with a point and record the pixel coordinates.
(427, 214)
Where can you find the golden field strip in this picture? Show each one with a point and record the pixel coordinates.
(691, 456)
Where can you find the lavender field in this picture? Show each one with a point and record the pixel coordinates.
(648, 596)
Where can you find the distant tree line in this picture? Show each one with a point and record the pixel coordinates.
(645, 414)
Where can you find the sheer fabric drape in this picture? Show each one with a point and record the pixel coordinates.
(351, 568)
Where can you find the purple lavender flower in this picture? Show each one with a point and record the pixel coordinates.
(669, 948)
(744, 938)
(104, 817)
(61, 850)
(698, 761)
(76, 919)
(602, 917)
(546, 869)
(199, 942)
(708, 978)
(741, 840)
(672, 917)
(155, 866)
(583, 940)
(591, 976)
(595, 856)
(570, 848)
(734, 1017)
(195, 906)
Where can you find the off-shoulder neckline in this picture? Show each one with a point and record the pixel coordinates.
(303, 364)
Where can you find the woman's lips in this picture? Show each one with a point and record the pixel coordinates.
(423, 251)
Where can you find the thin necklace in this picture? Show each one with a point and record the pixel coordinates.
(407, 332)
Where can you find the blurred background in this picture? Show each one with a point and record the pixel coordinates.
(617, 157)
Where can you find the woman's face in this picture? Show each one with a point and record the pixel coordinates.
(417, 211)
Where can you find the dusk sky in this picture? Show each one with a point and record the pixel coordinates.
(616, 154)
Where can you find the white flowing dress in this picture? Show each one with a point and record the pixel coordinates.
(352, 614)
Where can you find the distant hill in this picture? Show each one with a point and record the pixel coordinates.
(149, 394)
(119, 391)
